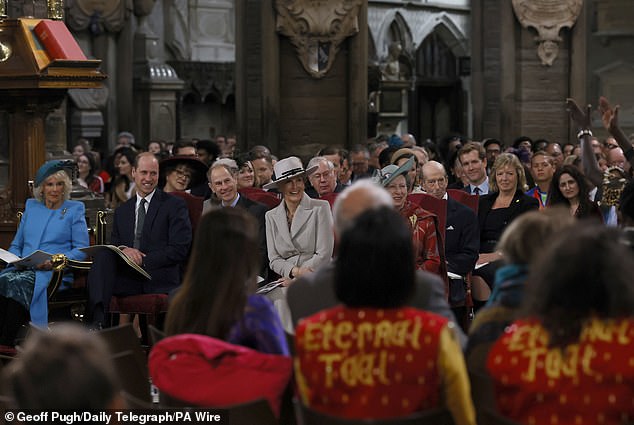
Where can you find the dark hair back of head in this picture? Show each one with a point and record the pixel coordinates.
(210, 147)
(223, 262)
(584, 273)
(375, 265)
(67, 368)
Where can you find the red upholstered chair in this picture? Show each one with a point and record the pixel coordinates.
(330, 197)
(269, 199)
(148, 306)
(194, 205)
(464, 198)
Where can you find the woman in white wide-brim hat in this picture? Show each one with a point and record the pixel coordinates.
(299, 233)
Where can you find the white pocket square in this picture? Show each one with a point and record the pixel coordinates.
(450, 228)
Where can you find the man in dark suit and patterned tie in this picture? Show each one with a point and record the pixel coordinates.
(153, 230)
(224, 184)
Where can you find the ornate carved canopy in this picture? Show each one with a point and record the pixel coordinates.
(548, 17)
(317, 28)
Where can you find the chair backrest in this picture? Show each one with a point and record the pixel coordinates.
(464, 198)
(430, 417)
(155, 334)
(269, 199)
(123, 339)
(330, 197)
(432, 204)
(194, 206)
(133, 379)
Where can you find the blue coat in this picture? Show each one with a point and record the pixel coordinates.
(60, 231)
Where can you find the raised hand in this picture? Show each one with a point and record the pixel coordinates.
(583, 120)
(609, 115)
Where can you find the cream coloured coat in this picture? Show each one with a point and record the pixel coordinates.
(308, 243)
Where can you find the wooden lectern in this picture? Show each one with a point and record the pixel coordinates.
(32, 85)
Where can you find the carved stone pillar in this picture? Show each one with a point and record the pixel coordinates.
(548, 17)
(103, 30)
(305, 66)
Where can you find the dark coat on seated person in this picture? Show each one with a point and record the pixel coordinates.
(462, 238)
(520, 204)
(165, 241)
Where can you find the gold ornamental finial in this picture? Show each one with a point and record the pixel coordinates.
(55, 9)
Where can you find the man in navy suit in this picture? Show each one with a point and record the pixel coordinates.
(224, 184)
(153, 230)
(462, 236)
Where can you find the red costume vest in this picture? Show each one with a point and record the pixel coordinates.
(590, 382)
(369, 363)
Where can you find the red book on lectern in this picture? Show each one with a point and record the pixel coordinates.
(58, 41)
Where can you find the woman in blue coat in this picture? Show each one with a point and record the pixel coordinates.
(51, 223)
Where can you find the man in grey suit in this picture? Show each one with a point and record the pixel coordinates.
(313, 292)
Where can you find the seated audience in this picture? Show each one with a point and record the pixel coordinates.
(181, 173)
(123, 186)
(415, 362)
(566, 360)
(246, 173)
(570, 188)
(542, 169)
(87, 176)
(324, 180)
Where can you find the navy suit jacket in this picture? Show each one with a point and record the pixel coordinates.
(462, 238)
(165, 240)
(258, 211)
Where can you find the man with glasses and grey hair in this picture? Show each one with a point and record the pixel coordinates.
(324, 179)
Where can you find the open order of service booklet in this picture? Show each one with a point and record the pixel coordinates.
(92, 250)
(39, 257)
(35, 258)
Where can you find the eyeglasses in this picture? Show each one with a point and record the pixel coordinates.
(318, 176)
(183, 173)
(432, 182)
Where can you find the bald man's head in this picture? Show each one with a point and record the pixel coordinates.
(362, 195)
(435, 179)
